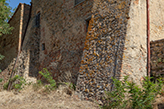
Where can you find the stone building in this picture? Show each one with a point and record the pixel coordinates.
(85, 42)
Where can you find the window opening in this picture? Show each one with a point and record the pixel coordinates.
(54, 45)
(43, 46)
(37, 22)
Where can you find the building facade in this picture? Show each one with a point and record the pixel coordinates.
(86, 42)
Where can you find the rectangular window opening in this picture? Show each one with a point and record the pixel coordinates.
(37, 23)
(43, 46)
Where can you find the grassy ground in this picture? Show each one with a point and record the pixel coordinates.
(30, 98)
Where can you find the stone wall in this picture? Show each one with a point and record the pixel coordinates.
(157, 36)
(157, 57)
(156, 20)
(62, 30)
(10, 43)
(87, 43)
(115, 46)
(135, 50)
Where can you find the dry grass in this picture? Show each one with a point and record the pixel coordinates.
(62, 98)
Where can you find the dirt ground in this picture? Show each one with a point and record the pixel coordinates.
(62, 98)
(32, 99)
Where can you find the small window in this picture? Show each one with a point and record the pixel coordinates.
(78, 1)
(54, 45)
(43, 46)
(37, 22)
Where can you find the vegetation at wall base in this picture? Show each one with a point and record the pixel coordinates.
(52, 84)
(47, 75)
(17, 81)
(128, 95)
(71, 85)
(1, 57)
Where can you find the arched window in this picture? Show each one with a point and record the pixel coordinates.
(37, 21)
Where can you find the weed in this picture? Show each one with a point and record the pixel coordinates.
(18, 83)
(1, 79)
(129, 95)
(70, 85)
(1, 57)
(47, 75)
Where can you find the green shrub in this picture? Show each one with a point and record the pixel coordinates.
(1, 79)
(47, 75)
(128, 95)
(17, 81)
(70, 85)
(1, 57)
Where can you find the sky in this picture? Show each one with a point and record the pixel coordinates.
(15, 3)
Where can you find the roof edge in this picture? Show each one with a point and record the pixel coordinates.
(17, 10)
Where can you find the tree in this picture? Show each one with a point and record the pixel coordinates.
(5, 14)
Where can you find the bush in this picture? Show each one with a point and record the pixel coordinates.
(17, 81)
(1, 78)
(128, 95)
(1, 57)
(70, 85)
(47, 75)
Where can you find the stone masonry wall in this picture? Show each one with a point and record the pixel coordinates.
(9, 46)
(134, 61)
(63, 31)
(156, 20)
(9, 43)
(157, 57)
(86, 44)
(157, 36)
(115, 46)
